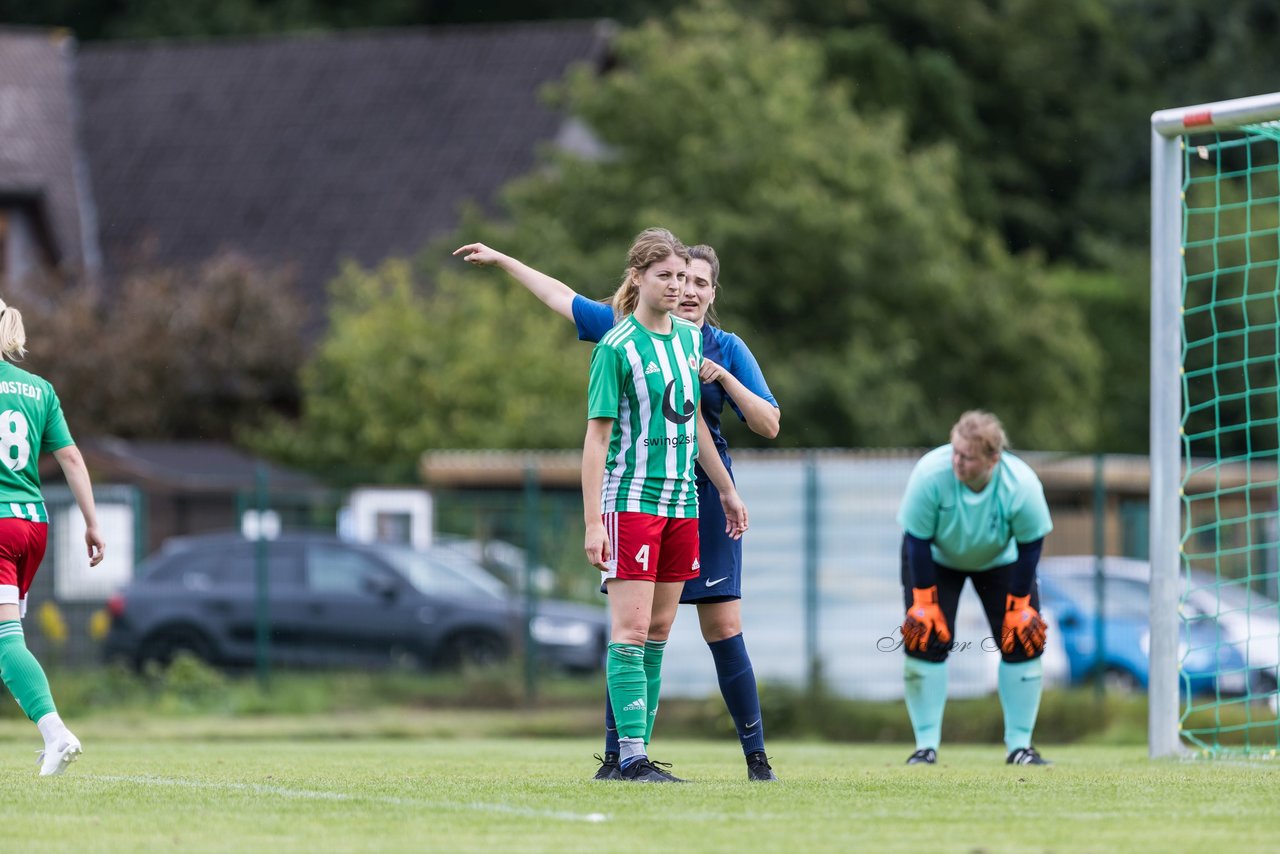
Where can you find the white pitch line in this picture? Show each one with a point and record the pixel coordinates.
(312, 794)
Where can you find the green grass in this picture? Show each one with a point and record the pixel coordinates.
(191, 759)
(316, 785)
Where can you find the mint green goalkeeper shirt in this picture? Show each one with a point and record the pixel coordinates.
(31, 421)
(974, 530)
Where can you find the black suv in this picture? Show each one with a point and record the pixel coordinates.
(333, 603)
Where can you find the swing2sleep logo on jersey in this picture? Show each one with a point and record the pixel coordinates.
(651, 441)
(669, 409)
(669, 412)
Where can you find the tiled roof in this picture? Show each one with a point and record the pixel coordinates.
(38, 150)
(190, 466)
(312, 149)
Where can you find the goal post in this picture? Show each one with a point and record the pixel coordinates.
(1214, 428)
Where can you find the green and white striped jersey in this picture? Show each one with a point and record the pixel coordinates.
(31, 421)
(648, 384)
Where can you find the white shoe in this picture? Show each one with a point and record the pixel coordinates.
(55, 760)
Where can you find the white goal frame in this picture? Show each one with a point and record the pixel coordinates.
(1168, 127)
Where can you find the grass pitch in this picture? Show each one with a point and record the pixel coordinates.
(323, 790)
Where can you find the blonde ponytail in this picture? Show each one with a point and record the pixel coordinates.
(13, 337)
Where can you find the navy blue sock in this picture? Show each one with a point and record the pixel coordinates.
(610, 727)
(738, 686)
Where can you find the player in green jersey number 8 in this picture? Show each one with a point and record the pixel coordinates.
(31, 422)
(15, 450)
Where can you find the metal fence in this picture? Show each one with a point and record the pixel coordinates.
(821, 599)
(66, 618)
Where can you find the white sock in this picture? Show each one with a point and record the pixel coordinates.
(52, 728)
(629, 750)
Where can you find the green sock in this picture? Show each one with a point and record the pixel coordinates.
(626, 677)
(22, 674)
(926, 692)
(653, 651)
(1020, 686)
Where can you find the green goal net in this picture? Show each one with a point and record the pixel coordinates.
(1224, 578)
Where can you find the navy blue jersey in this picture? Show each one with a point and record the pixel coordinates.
(594, 319)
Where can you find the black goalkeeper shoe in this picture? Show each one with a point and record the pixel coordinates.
(609, 769)
(928, 756)
(646, 771)
(758, 770)
(1026, 756)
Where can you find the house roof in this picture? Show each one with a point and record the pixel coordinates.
(191, 467)
(310, 149)
(38, 151)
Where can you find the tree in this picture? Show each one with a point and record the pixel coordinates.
(878, 308)
(1039, 100)
(1116, 304)
(171, 353)
(401, 370)
(1047, 103)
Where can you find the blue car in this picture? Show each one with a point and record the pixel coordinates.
(1067, 589)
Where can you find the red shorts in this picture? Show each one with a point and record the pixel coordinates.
(22, 544)
(651, 548)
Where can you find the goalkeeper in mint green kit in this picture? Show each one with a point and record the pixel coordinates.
(31, 421)
(973, 511)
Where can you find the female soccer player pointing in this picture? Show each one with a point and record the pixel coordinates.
(729, 374)
(640, 498)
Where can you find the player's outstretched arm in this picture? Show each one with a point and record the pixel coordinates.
(735, 511)
(554, 293)
(77, 475)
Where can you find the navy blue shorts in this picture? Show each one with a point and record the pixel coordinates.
(720, 558)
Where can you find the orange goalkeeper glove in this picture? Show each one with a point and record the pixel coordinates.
(924, 623)
(1023, 626)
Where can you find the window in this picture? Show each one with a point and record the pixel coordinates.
(345, 572)
(443, 572)
(24, 241)
(4, 246)
(207, 568)
(393, 527)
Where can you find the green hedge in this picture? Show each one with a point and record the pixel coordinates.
(567, 706)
